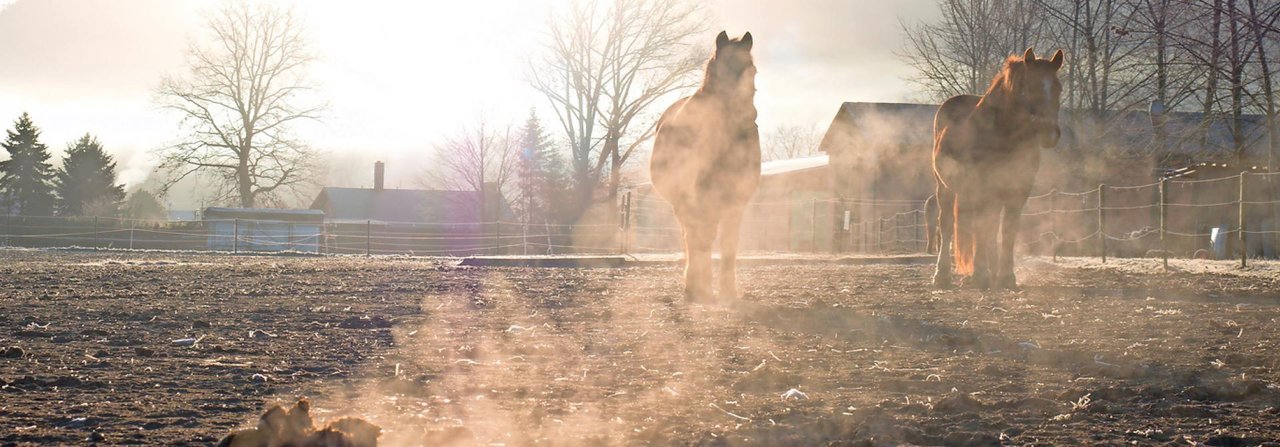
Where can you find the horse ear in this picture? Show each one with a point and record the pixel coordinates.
(1029, 56)
(721, 39)
(746, 40)
(1056, 62)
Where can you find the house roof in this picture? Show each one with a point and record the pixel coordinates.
(912, 125)
(407, 205)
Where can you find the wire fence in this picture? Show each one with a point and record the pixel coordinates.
(1227, 217)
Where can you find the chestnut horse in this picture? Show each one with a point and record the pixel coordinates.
(985, 157)
(706, 163)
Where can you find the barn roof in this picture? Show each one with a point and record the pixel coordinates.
(904, 124)
(408, 205)
(793, 165)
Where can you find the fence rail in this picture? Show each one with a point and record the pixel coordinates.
(1232, 216)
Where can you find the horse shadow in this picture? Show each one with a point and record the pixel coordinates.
(1136, 380)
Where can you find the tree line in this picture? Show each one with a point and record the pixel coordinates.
(83, 185)
(1211, 57)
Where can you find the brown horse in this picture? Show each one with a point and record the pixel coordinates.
(706, 163)
(985, 157)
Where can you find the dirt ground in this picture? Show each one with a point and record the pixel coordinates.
(94, 352)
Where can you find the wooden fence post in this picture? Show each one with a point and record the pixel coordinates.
(1243, 241)
(917, 233)
(879, 230)
(1164, 216)
(1102, 222)
(368, 234)
(497, 237)
(235, 235)
(813, 226)
(96, 242)
(1053, 223)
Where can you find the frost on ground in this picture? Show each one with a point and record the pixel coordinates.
(1256, 268)
(146, 353)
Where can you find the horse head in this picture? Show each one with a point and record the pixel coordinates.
(731, 71)
(1036, 93)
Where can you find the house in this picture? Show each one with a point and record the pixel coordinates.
(410, 206)
(263, 229)
(383, 220)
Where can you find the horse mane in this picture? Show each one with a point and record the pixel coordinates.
(1000, 84)
(708, 78)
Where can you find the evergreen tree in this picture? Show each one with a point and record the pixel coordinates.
(143, 205)
(86, 183)
(25, 177)
(544, 177)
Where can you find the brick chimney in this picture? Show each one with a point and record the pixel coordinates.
(379, 173)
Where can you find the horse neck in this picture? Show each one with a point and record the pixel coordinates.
(739, 108)
(995, 112)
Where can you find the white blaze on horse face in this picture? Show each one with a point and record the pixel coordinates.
(1048, 94)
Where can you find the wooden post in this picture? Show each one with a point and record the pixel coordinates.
(917, 232)
(879, 234)
(1053, 224)
(132, 224)
(1164, 215)
(96, 242)
(368, 234)
(497, 240)
(235, 235)
(813, 226)
(1102, 222)
(1243, 241)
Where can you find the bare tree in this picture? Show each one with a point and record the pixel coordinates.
(606, 65)
(238, 103)
(790, 141)
(962, 51)
(482, 158)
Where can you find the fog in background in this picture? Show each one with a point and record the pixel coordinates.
(400, 76)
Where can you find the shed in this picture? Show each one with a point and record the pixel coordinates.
(263, 229)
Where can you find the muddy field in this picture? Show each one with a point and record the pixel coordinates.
(813, 355)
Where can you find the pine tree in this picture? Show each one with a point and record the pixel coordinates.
(543, 172)
(86, 183)
(25, 177)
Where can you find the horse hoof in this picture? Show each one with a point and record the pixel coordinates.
(697, 295)
(976, 282)
(1007, 283)
(942, 282)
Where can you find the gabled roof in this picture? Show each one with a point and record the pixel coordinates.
(878, 123)
(408, 205)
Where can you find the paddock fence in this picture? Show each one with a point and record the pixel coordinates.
(1229, 217)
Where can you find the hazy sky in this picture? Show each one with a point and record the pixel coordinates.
(400, 75)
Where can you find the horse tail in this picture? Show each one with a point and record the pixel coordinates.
(964, 241)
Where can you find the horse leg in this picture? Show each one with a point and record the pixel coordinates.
(1012, 218)
(984, 252)
(987, 246)
(946, 226)
(931, 209)
(730, 223)
(697, 272)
